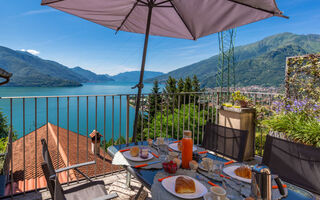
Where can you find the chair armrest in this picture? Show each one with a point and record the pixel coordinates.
(75, 166)
(108, 196)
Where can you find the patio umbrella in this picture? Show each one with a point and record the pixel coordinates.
(189, 19)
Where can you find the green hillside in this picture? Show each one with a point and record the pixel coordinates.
(259, 63)
(31, 71)
(91, 77)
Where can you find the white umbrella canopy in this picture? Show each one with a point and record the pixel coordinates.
(188, 19)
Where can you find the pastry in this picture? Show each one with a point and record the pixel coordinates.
(207, 163)
(177, 161)
(134, 151)
(243, 171)
(193, 165)
(180, 146)
(185, 185)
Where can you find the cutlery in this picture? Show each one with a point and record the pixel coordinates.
(155, 155)
(123, 150)
(161, 179)
(223, 176)
(146, 164)
(177, 141)
(208, 177)
(228, 163)
(209, 182)
(202, 152)
(276, 187)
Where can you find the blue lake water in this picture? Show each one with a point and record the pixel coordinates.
(119, 125)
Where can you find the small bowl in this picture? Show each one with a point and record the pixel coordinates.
(170, 167)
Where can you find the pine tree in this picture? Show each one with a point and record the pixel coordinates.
(195, 84)
(180, 86)
(171, 86)
(154, 99)
(187, 88)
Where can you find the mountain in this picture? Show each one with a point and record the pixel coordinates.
(31, 71)
(134, 76)
(259, 63)
(91, 77)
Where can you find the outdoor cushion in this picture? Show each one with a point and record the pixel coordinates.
(226, 141)
(89, 190)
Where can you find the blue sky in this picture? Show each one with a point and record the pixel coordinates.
(72, 41)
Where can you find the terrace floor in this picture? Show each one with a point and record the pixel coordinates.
(115, 183)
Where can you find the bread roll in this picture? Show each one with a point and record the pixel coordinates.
(134, 151)
(185, 185)
(193, 165)
(177, 161)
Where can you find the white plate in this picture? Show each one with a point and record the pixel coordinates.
(215, 162)
(174, 146)
(169, 185)
(128, 156)
(229, 170)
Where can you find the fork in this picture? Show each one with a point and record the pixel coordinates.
(203, 179)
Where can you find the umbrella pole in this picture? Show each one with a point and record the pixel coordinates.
(140, 84)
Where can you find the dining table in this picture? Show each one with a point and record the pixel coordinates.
(146, 176)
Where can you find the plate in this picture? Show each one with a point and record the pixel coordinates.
(229, 170)
(128, 156)
(169, 185)
(174, 146)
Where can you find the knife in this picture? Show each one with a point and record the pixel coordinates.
(228, 163)
(123, 150)
(161, 179)
(146, 164)
(155, 155)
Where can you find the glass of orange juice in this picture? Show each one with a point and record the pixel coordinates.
(186, 151)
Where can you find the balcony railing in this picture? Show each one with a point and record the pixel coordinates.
(67, 121)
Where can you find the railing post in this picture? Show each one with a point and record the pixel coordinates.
(127, 120)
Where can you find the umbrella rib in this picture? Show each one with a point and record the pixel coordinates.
(194, 38)
(125, 19)
(261, 9)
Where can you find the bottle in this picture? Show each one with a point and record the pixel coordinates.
(187, 149)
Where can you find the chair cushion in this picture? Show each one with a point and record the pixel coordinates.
(86, 191)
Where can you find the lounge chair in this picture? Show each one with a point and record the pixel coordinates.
(92, 190)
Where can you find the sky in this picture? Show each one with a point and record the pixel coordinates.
(51, 34)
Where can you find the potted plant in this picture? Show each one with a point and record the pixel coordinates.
(240, 99)
(294, 136)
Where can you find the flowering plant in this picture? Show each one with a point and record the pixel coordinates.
(239, 98)
(299, 120)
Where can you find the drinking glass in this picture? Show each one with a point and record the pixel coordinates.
(163, 150)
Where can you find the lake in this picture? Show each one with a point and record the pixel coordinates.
(108, 88)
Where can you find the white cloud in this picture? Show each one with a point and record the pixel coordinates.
(41, 11)
(31, 51)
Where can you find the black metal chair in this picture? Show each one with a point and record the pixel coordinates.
(294, 163)
(225, 141)
(92, 190)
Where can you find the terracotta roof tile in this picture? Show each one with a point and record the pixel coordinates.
(62, 155)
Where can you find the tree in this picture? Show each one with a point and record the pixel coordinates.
(4, 128)
(196, 84)
(195, 124)
(180, 85)
(154, 99)
(171, 85)
(187, 88)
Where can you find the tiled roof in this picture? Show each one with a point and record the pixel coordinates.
(61, 156)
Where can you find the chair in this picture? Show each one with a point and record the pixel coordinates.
(226, 141)
(294, 163)
(93, 190)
